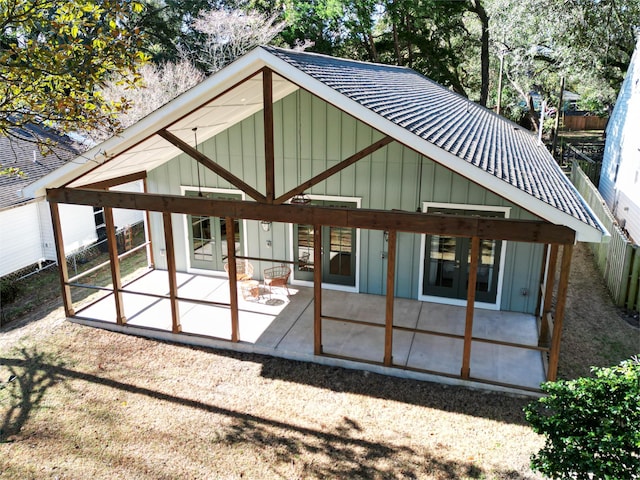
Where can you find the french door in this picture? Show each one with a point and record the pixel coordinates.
(208, 236)
(338, 251)
(447, 260)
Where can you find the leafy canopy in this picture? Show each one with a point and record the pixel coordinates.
(55, 55)
(591, 425)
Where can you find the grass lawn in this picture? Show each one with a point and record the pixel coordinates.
(77, 402)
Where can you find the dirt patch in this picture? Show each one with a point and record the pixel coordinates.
(86, 403)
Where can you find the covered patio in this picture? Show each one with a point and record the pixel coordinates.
(428, 340)
(477, 168)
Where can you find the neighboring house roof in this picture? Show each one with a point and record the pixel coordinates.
(19, 151)
(397, 101)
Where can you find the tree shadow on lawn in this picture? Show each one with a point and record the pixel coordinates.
(501, 407)
(28, 379)
(345, 455)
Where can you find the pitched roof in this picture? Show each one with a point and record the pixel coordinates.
(449, 121)
(19, 151)
(397, 101)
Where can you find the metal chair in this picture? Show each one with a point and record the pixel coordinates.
(244, 270)
(277, 277)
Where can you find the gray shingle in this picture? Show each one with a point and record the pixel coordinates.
(25, 156)
(449, 121)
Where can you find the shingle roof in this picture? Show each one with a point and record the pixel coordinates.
(449, 121)
(23, 154)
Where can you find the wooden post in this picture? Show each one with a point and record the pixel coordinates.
(147, 230)
(114, 263)
(317, 289)
(391, 273)
(171, 271)
(543, 271)
(543, 339)
(267, 100)
(465, 372)
(633, 285)
(233, 279)
(63, 272)
(561, 300)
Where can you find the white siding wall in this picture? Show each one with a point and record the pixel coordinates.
(122, 217)
(620, 176)
(20, 243)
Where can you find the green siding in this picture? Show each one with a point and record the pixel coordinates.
(320, 135)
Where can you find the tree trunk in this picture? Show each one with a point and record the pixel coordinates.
(484, 50)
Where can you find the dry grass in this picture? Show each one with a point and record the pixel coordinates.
(87, 403)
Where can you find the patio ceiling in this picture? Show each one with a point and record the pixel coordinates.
(213, 117)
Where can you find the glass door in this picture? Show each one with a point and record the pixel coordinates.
(208, 236)
(338, 251)
(447, 261)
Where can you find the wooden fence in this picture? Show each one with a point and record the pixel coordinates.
(580, 122)
(619, 259)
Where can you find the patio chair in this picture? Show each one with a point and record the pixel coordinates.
(244, 270)
(277, 277)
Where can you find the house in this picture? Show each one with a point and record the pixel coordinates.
(369, 182)
(26, 232)
(620, 173)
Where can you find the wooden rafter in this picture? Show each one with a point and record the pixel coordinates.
(269, 154)
(114, 182)
(437, 224)
(333, 170)
(211, 165)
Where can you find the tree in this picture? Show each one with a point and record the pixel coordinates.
(591, 425)
(588, 42)
(159, 84)
(227, 34)
(54, 57)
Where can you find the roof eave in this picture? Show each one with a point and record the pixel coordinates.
(152, 123)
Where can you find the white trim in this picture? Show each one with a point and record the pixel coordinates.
(183, 190)
(330, 286)
(503, 256)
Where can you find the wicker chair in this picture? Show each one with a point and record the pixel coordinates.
(277, 277)
(244, 270)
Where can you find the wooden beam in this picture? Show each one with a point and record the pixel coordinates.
(436, 224)
(233, 279)
(211, 165)
(471, 298)
(147, 230)
(391, 274)
(543, 271)
(171, 271)
(561, 300)
(543, 339)
(114, 182)
(63, 272)
(317, 289)
(333, 170)
(114, 264)
(135, 144)
(269, 155)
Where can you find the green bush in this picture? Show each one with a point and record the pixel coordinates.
(9, 291)
(591, 425)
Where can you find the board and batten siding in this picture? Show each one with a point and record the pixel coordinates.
(311, 136)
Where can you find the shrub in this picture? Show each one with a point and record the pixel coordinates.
(9, 291)
(591, 425)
